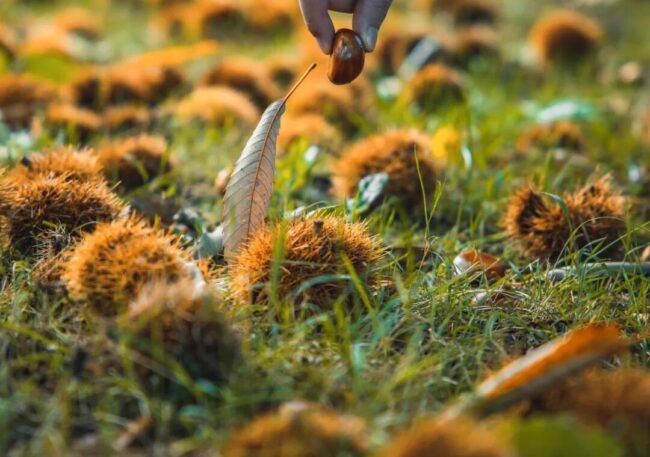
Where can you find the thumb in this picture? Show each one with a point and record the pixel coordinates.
(367, 19)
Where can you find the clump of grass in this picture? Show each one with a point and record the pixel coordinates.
(565, 37)
(403, 154)
(591, 218)
(435, 86)
(171, 324)
(246, 76)
(79, 122)
(33, 208)
(127, 118)
(615, 400)
(69, 162)
(312, 127)
(217, 106)
(313, 253)
(562, 134)
(110, 267)
(135, 161)
(21, 96)
(452, 438)
(300, 430)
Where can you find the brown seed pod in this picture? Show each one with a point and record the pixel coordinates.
(348, 57)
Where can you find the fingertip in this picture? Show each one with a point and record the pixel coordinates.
(325, 43)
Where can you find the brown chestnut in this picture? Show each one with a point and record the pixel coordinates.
(479, 262)
(348, 57)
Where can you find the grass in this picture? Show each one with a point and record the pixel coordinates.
(402, 353)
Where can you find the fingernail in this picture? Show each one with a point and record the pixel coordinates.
(370, 38)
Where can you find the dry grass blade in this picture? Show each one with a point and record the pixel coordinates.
(544, 366)
(251, 184)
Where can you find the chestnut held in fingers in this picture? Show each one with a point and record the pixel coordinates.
(348, 57)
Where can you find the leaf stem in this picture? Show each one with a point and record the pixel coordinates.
(300, 81)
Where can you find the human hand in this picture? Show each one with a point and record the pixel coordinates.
(367, 16)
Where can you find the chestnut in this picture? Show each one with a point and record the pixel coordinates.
(479, 262)
(348, 57)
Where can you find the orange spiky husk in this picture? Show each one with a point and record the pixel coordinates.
(615, 400)
(33, 208)
(21, 96)
(127, 118)
(135, 161)
(218, 106)
(340, 105)
(433, 86)
(565, 37)
(129, 83)
(246, 76)
(595, 214)
(312, 127)
(65, 117)
(460, 437)
(110, 267)
(300, 429)
(471, 12)
(313, 248)
(173, 323)
(476, 42)
(562, 134)
(74, 164)
(398, 153)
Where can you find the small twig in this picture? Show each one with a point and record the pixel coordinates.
(606, 269)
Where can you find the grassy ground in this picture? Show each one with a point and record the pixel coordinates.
(418, 346)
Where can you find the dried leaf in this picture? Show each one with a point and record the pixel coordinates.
(251, 184)
(543, 367)
(550, 363)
